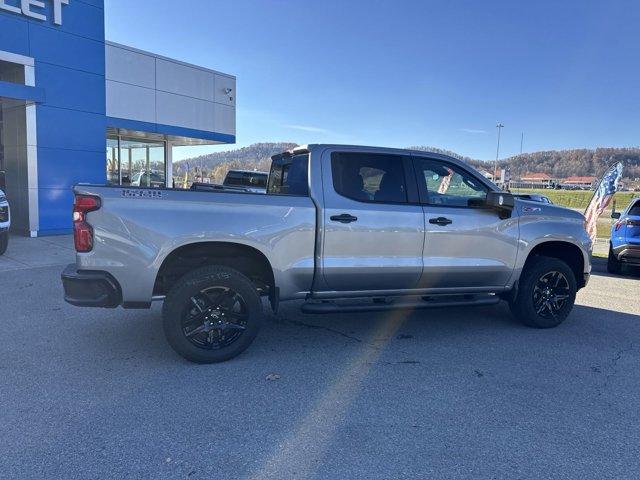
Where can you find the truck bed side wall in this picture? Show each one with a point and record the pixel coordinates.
(133, 235)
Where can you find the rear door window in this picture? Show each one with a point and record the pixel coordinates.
(368, 177)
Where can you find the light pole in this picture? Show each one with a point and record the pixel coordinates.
(499, 126)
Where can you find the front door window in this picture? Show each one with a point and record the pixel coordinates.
(448, 185)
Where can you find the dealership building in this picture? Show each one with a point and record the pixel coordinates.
(76, 108)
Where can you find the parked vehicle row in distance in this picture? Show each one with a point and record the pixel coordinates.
(534, 197)
(253, 181)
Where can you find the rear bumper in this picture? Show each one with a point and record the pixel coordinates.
(628, 253)
(84, 288)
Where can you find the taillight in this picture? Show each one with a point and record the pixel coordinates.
(628, 222)
(82, 231)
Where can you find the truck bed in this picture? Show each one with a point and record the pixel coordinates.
(136, 228)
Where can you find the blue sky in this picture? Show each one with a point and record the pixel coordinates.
(401, 73)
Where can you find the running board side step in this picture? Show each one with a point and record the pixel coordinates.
(430, 302)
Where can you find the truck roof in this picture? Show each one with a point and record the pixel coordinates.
(252, 172)
(398, 151)
(313, 146)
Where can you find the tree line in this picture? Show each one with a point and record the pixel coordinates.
(557, 163)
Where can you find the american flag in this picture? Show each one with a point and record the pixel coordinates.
(606, 188)
(444, 184)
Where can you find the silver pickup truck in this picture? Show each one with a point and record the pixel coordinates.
(343, 228)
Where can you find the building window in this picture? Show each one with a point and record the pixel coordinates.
(136, 162)
(113, 161)
(12, 72)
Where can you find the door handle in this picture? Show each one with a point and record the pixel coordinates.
(344, 218)
(442, 221)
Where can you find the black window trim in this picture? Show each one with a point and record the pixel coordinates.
(280, 160)
(422, 189)
(409, 178)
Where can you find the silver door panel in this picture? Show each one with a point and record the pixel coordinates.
(477, 249)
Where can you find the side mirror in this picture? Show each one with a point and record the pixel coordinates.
(615, 215)
(503, 202)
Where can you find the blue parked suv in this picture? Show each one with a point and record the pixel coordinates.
(625, 238)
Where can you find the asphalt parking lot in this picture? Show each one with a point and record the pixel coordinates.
(451, 393)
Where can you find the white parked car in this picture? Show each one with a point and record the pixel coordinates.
(146, 179)
(5, 222)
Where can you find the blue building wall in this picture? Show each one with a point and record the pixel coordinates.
(71, 122)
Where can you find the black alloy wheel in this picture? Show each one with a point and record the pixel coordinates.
(214, 318)
(212, 314)
(546, 293)
(551, 294)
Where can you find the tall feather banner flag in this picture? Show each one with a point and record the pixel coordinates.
(606, 188)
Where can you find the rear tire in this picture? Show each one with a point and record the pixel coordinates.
(212, 314)
(4, 242)
(613, 264)
(546, 293)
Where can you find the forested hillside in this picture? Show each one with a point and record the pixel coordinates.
(215, 165)
(558, 163)
(565, 163)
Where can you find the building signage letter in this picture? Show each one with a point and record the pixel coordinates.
(29, 8)
(57, 10)
(26, 9)
(9, 8)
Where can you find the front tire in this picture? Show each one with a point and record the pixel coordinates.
(212, 314)
(4, 242)
(546, 293)
(613, 264)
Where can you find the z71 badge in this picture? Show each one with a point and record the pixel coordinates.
(531, 209)
(135, 193)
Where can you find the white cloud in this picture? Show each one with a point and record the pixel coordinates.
(473, 130)
(307, 128)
